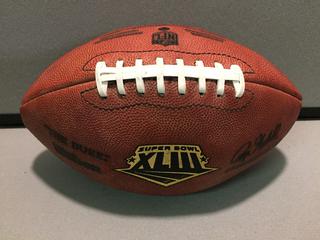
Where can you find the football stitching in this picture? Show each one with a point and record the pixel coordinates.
(82, 93)
(183, 52)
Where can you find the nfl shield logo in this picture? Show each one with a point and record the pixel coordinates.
(165, 37)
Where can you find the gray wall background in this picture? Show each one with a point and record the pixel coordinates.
(35, 33)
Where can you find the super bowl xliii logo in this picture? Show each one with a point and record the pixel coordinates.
(165, 37)
(167, 164)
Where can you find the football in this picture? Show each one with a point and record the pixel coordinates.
(161, 109)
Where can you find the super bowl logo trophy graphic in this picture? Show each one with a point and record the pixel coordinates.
(165, 37)
(167, 164)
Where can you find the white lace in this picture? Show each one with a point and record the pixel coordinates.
(119, 73)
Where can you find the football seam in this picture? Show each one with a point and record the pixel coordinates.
(166, 107)
(92, 80)
(117, 35)
(88, 69)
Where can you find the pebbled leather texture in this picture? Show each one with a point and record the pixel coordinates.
(64, 110)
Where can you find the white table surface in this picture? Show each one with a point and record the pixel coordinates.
(42, 198)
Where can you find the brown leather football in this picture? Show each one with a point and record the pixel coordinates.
(161, 109)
